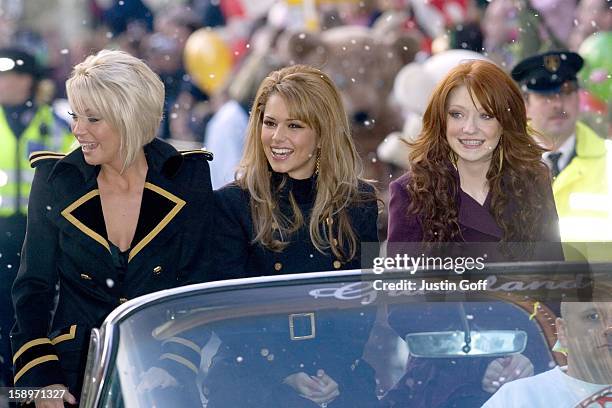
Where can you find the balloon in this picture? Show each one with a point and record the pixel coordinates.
(596, 74)
(207, 59)
(245, 8)
(412, 88)
(415, 82)
(589, 103)
(438, 65)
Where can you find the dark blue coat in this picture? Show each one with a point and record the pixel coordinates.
(338, 340)
(66, 243)
(238, 256)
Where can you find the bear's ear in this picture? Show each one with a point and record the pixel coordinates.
(304, 48)
(404, 46)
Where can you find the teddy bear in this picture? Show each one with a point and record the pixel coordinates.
(363, 63)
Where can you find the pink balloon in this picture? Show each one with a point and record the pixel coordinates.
(598, 75)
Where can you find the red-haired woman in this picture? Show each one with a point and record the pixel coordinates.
(476, 174)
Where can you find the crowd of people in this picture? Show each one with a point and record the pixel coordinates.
(116, 197)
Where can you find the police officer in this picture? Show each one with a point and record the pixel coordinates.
(579, 159)
(25, 126)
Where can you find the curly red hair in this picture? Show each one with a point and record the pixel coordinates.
(516, 174)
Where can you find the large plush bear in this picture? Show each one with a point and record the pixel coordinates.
(363, 63)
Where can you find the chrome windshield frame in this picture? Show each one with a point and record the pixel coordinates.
(108, 330)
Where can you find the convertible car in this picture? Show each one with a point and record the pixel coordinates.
(371, 340)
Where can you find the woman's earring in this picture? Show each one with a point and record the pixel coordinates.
(318, 162)
(501, 157)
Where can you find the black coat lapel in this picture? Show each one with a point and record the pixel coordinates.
(161, 217)
(86, 215)
(81, 218)
(158, 209)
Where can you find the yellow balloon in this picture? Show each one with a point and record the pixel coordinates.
(207, 59)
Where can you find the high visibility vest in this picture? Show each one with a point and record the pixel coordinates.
(44, 132)
(583, 190)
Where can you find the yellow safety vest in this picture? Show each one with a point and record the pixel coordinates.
(43, 132)
(582, 190)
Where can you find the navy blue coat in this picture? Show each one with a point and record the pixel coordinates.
(340, 338)
(66, 243)
(238, 256)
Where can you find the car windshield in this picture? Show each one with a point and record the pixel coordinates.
(256, 344)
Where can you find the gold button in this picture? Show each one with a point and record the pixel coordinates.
(86, 277)
(278, 266)
(122, 300)
(157, 270)
(337, 264)
(329, 220)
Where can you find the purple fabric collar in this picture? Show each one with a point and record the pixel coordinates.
(478, 217)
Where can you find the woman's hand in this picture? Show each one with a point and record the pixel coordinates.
(320, 389)
(55, 402)
(155, 377)
(506, 369)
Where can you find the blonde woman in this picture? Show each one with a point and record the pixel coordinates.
(298, 205)
(108, 222)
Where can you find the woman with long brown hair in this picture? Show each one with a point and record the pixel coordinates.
(299, 180)
(298, 205)
(476, 173)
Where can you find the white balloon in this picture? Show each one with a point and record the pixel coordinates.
(412, 87)
(438, 65)
(393, 150)
(412, 127)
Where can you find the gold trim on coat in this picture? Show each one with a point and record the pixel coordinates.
(179, 204)
(67, 213)
(184, 342)
(34, 363)
(29, 345)
(42, 155)
(67, 336)
(180, 360)
(207, 154)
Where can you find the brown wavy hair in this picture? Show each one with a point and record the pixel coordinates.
(519, 175)
(311, 97)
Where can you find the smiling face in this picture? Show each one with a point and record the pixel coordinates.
(290, 145)
(471, 132)
(586, 331)
(100, 143)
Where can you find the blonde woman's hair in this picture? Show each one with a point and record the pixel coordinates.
(122, 90)
(312, 98)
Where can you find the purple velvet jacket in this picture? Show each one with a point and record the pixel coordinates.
(476, 222)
